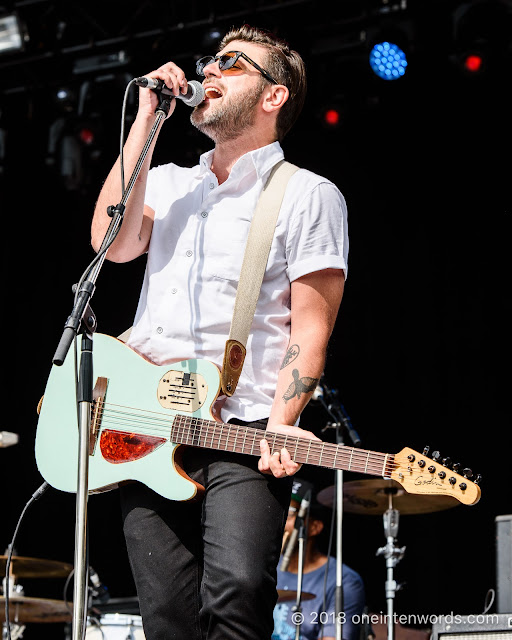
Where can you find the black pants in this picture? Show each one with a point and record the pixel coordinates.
(208, 569)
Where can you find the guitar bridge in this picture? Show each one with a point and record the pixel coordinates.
(98, 402)
(182, 391)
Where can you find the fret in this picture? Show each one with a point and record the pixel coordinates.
(245, 437)
(213, 436)
(351, 455)
(253, 442)
(296, 445)
(336, 448)
(309, 449)
(274, 449)
(367, 461)
(236, 436)
(220, 434)
(227, 438)
(188, 433)
(321, 453)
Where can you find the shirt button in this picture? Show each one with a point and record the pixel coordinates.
(204, 214)
(174, 290)
(189, 253)
(159, 329)
(212, 185)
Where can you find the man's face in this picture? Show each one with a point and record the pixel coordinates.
(232, 96)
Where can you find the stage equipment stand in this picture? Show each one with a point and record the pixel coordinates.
(341, 422)
(82, 321)
(393, 555)
(301, 538)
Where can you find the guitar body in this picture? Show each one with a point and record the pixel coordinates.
(133, 439)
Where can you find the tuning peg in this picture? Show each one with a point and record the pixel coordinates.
(456, 467)
(467, 473)
(446, 462)
(426, 450)
(478, 479)
(435, 456)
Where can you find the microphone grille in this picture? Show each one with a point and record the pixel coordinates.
(197, 94)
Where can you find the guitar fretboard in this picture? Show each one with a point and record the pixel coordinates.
(209, 434)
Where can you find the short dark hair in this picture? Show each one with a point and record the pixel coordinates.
(283, 64)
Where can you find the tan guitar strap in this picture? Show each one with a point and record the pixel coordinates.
(254, 264)
(257, 249)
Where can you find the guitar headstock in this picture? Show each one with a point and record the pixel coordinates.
(419, 473)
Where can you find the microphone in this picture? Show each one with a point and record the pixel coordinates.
(7, 439)
(100, 590)
(292, 540)
(194, 96)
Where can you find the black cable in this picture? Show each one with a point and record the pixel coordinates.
(35, 496)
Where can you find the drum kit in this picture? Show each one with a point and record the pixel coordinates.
(125, 623)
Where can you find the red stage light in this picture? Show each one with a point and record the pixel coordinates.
(86, 136)
(332, 117)
(473, 63)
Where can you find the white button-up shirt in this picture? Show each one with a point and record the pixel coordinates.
(194, 261)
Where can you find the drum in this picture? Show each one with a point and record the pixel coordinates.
(115, 626)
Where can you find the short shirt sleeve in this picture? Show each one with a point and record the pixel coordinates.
(318, 233)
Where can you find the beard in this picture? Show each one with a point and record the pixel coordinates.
(229, 120)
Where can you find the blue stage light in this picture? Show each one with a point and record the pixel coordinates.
(388, 61)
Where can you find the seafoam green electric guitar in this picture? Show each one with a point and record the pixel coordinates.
(142, 414)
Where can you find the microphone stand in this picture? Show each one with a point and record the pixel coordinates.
(302, 537)
(341, 423)
(82, 321)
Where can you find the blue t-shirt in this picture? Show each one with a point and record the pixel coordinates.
(315, 616)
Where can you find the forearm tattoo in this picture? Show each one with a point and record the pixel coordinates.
(291, 355)
(299, 386)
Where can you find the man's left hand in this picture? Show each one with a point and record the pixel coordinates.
(280, 463)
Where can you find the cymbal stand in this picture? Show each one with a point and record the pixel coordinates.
(10, 588)
(393, 556)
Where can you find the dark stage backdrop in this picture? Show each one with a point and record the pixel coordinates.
(420, 349)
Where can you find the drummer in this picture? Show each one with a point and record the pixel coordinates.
(317, 618)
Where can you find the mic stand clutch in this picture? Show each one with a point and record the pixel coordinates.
(82, 320)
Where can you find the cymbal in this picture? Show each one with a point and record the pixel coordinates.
(24, 610)
(36, 567)
(285, 595)
(371, 497)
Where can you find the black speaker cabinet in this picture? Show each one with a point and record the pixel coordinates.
(480, 626)
(503, 563)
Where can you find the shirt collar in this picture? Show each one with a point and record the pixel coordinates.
(261, 160)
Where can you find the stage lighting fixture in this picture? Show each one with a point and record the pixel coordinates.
(11, 38)
(473, 62)
(332, 117)
(388, 61)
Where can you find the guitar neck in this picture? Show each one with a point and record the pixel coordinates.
(209, 434)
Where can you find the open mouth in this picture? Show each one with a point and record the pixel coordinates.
(212, 93)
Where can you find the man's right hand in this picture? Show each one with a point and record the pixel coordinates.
(173, 77)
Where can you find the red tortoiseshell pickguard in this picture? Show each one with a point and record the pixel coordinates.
(122, 446)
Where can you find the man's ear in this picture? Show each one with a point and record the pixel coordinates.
(275, 97)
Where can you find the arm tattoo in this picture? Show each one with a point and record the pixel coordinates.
(290, 356)
(299, 386)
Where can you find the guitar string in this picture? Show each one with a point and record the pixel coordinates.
(208, 424)
(326, 452)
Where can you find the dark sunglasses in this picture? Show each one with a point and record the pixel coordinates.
(227, 61)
